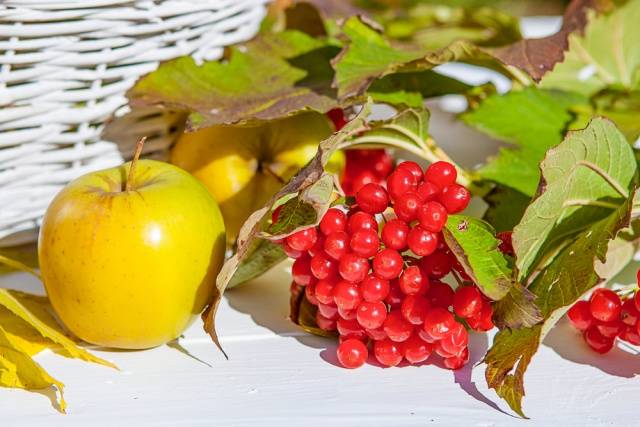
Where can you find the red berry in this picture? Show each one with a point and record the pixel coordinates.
(376, 334)
(438, 322)
(437, 265)
(303, 240)
(318, 246)
(422, 242)
(413, 281)
(310, 294)
(290, 252)
(361, 221)
(406, 206)
(371, 315)
(396, 327)
(425, 336)
(467, 301)
(333, 220)
(324, 291)
(456, 341)
(374, 289)
(394, 234)
(441, 174)
(347, 314)
(413, 168)
(360, 180)
(631, 334)
(416, 350)
(395, 296)
(597, 341)
(330, 311)
(454, 198)
(352, 353)
(457, 362)
(346, 295)
(399, 182)
(629, 313)
(336, 115)
(482, 321)
(372, 198)
(506, 246)
(611, 329)
(384, 163)
(636, 299)
(353, 268)
(437, 347)
(605, 305)
(387, 264)
(349, 328)
(323, 267)
(432, 216)
(336, 244)
(427, 191)
(301, 271)
(440, 294)
(324, 323)
(365, 243)
(387, 352)
(414, 308)
(580, 315)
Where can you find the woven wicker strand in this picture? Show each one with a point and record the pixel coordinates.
(64, 69)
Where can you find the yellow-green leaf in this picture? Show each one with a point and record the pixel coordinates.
(19, 370)
(16, 303)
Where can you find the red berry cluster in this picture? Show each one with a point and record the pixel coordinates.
(362, 166)
(377, 279)
(607, 316)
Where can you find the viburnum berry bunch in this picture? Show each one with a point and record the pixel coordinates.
(607, 316)
(374, 271)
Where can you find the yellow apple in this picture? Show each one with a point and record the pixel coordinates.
(242, 166)
(129, 262)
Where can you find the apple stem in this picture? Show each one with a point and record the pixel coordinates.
(134, 162)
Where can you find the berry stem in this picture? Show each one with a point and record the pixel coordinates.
(134, 163)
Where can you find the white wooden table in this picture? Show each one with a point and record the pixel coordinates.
(279, 376)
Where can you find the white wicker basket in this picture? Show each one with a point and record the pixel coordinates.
(64, 69)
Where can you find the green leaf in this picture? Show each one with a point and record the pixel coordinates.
(586, 177)
(410, 88)
(620, 107)
(517, 309)
(474, 244)
(366, 57)
(507, 360)
(263, 256)
(506, 207)
(606, 55)
(311, 185)
(531, 119)
(436, 26)
(273, 76)
(582, 231)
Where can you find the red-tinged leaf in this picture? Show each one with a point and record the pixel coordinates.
(538, 56)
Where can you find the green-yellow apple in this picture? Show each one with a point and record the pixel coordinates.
(242, 166)
(129, 258)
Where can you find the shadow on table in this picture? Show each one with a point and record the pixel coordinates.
(266, 300)
(622, 361)
(478, 346)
